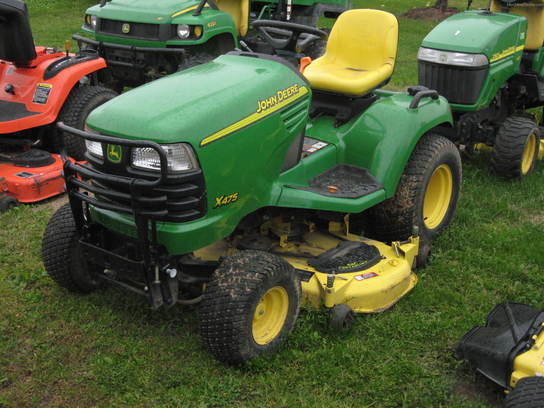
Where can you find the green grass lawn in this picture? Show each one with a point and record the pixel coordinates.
(107, 349)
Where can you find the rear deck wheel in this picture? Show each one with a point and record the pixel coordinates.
(80, 103)
(249, 307)
(7, 203)
(528, 393)
(62, 257)
(426, 196)
(516, 147)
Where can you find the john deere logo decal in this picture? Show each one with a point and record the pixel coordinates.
(114, 153)
(125, 28)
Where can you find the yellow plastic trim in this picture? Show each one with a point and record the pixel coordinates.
(541, 151)
(254, 117)
(507, 52)
(179, 13)
(438, 196)
(531, 362)
(528, 154)
(270, 315)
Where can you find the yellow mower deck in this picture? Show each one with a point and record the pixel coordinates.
(370, 290)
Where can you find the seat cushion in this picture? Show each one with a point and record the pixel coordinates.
(331, 77)
(360, 53)
(239, 11)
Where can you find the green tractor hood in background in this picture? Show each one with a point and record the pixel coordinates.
(160, 12)
(196, 103)
(478, 32)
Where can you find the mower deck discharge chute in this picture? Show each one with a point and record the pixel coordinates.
(142, 43)
(509, 350)
(38, 86)
(243, 194)
(489, 64)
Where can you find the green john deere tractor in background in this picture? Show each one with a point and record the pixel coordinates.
(239, 195)
(489, 64)
(141, 42)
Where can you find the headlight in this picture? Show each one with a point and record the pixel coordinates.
(94, 148)
(180, 158)
(452, 58)
(183, 31)
(90, 21)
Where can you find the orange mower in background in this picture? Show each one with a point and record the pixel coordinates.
(38, 87)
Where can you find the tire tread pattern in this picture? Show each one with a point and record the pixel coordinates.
(394, 219)
(228, 300)
(510, 144)
(528, 393)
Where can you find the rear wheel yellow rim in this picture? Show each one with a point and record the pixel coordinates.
(438, 196)
(270, 315)
(528, 154)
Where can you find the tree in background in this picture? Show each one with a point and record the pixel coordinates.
(442, 5)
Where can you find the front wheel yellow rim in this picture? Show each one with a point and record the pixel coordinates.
(438, 196)
(528, 154)
(270, 315)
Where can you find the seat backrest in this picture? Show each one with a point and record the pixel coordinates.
(535, 20)
(363, 39)
(16, 43)
(239, 11)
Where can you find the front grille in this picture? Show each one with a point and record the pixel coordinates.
(459, 85)
(182, 197)
(113, 184)
(136, 30)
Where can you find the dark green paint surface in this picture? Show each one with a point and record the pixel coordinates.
(194, 104)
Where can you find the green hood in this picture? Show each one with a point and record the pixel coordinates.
(194, 104)
(478, 33)
(140, 11)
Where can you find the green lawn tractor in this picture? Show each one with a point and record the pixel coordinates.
(489, 64)
(141, 42)
(509, 350)
(239, 195)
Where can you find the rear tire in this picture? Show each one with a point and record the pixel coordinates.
(528, 393)
(79, 104)
(426, 197)
(249, 307)
(61, 255)
(516, 147)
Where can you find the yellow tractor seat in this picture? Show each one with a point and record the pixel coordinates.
(239, 11)
(360, 53)
(535, 21)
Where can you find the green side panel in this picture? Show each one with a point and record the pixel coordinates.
(478, 33)
(374, 141)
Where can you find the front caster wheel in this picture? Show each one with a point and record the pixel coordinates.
(62, 257)
(341, 317)
(249, 307)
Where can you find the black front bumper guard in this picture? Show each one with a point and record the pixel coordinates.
(101, 46)
(161, 285)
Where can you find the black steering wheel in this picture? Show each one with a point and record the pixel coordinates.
(285, 35)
